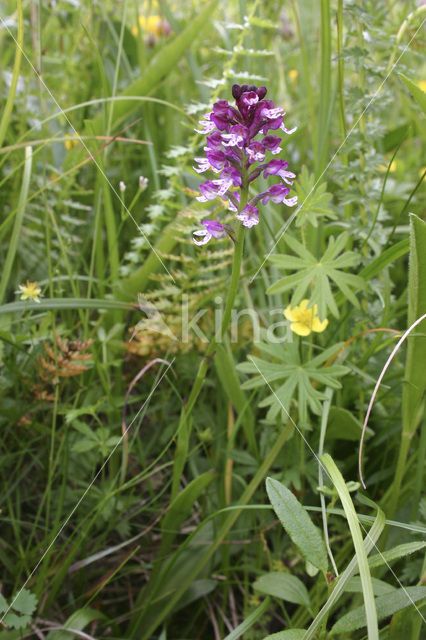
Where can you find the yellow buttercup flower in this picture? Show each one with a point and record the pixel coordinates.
(384, 167)
(70, 142)
(293, 74)
(303, 320)
(29, 291)
(422, 85)
(155, 25)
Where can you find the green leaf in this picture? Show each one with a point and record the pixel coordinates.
(360, 550)
(25, 602)
(181, 507)
(380, 587)
(400, 551)
(415, 370)
(297, 524)
(342, 425)
(47, 304)
(405, 624)
(196, 590)
(370, 541)
(284, 586)
(318, 274)
(78, 621)
(16, 622)
(417, 93)
(248, 622)
(3, 604)
(225, 367)
(288, 634)
(315, 200)
(299, 377)
(385, 605)
(84, 445)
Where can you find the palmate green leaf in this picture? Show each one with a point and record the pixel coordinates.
(314, 200)
(297, 523)
(318, 274)
(299, 378)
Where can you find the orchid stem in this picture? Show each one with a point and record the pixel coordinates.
(185, 424)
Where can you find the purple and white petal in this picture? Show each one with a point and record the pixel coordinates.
(203, 165)
(290, 202)
(202, 233)
(255, 152)
(288, 131)
(249, 216)
(206, 124)
(209, 190)
(276, 193)
(217, 159)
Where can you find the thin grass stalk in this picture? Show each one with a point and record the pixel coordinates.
(340, 585)
(364, 570)
(117, 69)
(7, 112)
(307, 76)
(19, 216)
(324, 420)
(325, 100)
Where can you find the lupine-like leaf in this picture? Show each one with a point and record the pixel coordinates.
(314, 200)
(300, 378)
(318, 274)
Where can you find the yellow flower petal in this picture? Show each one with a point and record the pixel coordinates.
(300, 328)
(304, 320)
(290, 314)
(319, 326)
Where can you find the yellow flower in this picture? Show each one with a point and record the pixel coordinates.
(422, 85)
(293, 74)
(384, 167)
(30, 291)
(155, 25)
(304, 320)
(70, 142)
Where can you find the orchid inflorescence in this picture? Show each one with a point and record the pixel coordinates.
(233, 152)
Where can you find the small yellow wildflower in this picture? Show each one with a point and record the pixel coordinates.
(155, 25)
(422, 85)
(30, 291)
(384, 167)
(304, 320)
(70, 142)
(293, 74)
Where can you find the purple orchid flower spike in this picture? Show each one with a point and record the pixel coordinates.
(237, 145)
